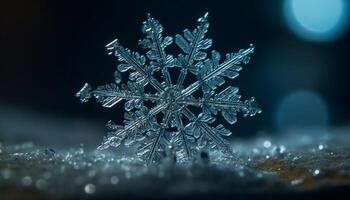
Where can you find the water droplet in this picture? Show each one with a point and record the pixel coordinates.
(296, 181)
(114, 180)
(6, 173)
(47, 175)
(316, 172)
(241, 173)
(320, 147)
(127, 175)
(27, 181)
(92, 173)
(255, 151)
(282, 149)
(90, 188)
(41, 184)
(267, 144)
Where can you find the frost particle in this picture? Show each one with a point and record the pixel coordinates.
(27, 181)
(90, 188)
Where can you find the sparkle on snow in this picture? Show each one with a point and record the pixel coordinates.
(181, 131)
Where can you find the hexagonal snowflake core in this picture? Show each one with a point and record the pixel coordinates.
(141, 127)
(170, 98)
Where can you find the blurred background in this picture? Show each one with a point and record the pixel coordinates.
(49, 49)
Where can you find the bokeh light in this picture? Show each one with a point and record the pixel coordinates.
(317, 20)
(302, 109)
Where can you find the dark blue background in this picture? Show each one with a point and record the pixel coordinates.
(49, 49)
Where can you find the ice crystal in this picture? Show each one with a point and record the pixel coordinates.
(173, 125)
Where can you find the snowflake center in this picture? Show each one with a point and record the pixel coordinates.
(169, 97)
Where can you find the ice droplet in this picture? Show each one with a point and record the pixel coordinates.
(267, 144)
(114, 180)
(316, 172)
(127, 175)
(90, 188)
(92, 173)
(6, 173)
(296, 181)
(27, 181)
(282, 149)
(41, 184)
(320, 147)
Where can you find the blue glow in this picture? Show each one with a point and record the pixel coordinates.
(302, 109)
(317, 20)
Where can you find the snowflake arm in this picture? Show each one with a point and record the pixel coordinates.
(157, 141)
(156, 45)
(110, 94)
(211, 70)
(191, 44)
(136, 123)
(228, 102)
(205, 134)
(181, 139)
(153, 146)
(136, 62)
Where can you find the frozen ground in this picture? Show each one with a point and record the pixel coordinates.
(288, 167)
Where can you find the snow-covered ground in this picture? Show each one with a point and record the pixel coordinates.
(288, 167)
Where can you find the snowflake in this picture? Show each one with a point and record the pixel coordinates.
(169, 115)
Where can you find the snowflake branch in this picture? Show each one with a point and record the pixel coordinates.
(208, 131)
(154, 141)
(182, 134)
(232, 61)
(248, 107)
(155, 42)
(134, 61)
(134, 125)
(217, 104)
(155, 145)
(110, 98)
(166, 118)
(111, 94)
(192, 49)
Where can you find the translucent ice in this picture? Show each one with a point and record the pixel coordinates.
(181, 132)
